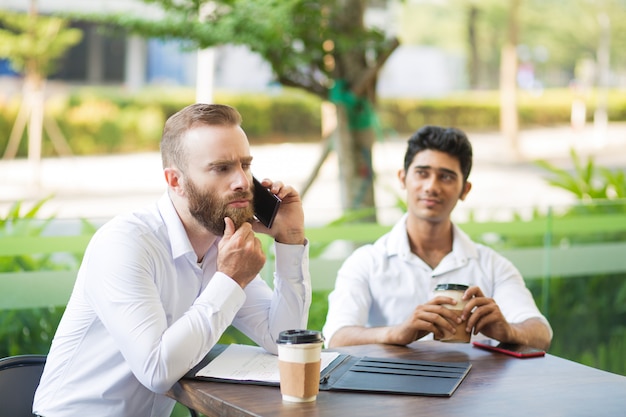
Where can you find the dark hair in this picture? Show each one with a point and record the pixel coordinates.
(172, 149)
(449, 140)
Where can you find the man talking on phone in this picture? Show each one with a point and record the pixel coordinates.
(158, 287)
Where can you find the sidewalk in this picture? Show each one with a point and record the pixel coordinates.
(101, 187)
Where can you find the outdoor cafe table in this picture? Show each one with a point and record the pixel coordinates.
(497, 385)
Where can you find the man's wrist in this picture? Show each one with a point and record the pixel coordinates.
(295, 237)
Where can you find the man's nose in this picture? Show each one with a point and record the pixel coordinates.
(431, 184)
(241, 180)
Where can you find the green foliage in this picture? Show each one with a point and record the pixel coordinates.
(283, 116)
(288, 34)
(474, 110)
(318, 310)
(27, 331)
(588, 181)
(35, 42)
(109, 120)
(552, 37)
(588, 316)
(232, 335)
(16, 223)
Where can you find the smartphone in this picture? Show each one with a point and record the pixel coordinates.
(519, 351)
(266, 204)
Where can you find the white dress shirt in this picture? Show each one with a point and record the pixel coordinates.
(382, 283)
(143, 312)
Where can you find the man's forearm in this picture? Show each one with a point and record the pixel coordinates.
(531, 332)
(358, 335)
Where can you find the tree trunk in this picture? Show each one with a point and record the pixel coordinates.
(509, 123)
(356, 174)
(34, 98)
(354, 66)
(355, 113)
(473, 66)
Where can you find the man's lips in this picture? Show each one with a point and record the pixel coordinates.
(430, 201)
(239, 203)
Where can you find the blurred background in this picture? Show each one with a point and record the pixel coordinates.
(526, 79)
(329, 92)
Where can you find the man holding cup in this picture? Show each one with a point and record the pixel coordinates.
(385, 292)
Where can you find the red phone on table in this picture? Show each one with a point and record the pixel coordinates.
(519, 351)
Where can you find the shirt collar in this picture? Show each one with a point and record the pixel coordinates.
(463, 248)
(397, 242)
(179, 241)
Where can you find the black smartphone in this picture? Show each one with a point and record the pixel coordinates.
(266, 204)
(519, 351)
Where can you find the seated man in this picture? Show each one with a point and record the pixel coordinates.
(384, 291)
(158, 287)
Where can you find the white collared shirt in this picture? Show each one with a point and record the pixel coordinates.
(143, 312)
(382, 283)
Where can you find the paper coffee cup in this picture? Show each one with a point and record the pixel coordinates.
(299, 361)
(456, 292)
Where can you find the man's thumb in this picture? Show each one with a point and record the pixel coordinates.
(229, 227)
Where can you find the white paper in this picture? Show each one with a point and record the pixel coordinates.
(250, 363)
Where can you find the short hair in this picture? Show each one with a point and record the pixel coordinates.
(172, 150)
(449, 140)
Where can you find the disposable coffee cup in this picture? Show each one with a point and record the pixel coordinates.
(456, 292)
(299, 361)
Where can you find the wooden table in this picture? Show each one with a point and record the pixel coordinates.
(497, 385)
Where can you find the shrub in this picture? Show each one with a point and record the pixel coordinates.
(111, 120)
(29, 330)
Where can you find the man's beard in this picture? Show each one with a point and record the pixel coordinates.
(209, 209)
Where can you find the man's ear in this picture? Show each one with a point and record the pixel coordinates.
(174, 179)
(402, 178)
(466, 189)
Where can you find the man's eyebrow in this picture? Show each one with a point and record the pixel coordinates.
(227, 162)
(221, 162)
(442, 170)
(448, 171)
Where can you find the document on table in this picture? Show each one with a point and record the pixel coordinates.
(250, 363)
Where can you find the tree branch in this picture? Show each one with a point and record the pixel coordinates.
(362, 84)
(311, 87)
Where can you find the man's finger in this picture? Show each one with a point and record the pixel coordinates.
(229, 227)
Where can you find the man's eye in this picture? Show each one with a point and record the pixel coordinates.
(246, 165)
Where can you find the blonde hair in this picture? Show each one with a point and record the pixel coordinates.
(173, 152)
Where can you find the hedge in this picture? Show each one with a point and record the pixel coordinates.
(111, 120)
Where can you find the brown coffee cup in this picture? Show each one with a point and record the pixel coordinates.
(299, 361)
(456, 292)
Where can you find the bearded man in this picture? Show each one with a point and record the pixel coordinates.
(157, 288)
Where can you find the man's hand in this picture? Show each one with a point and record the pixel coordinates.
(484, 316)
(288, 225)
(240, 255)
(431, 317)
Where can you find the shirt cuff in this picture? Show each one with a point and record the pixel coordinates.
(290, 259)
(224, 294)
